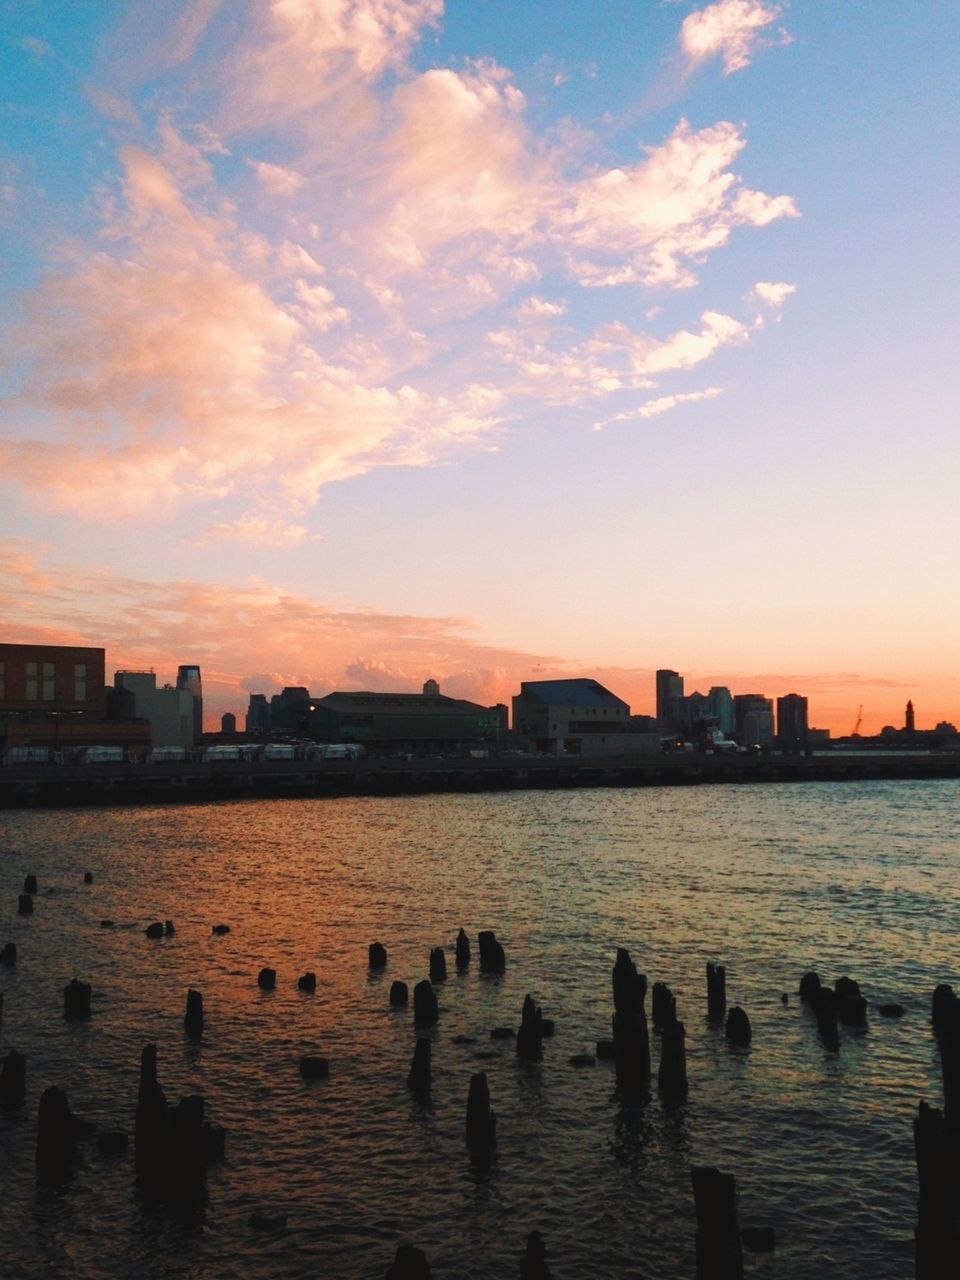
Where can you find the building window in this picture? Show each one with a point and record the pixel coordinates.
(30, 692)
(80, 682)
(48, 693)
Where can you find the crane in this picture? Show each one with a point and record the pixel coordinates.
(855, 731)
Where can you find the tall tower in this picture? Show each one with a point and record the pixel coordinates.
(792, 723)
(189, 678)
(909, 726)
(669, 699)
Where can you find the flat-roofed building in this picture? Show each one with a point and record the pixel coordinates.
(55, 697)
(754, 720)
(415, 722)
(169, 711)
(792, 723)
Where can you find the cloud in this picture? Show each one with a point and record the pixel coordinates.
(112, 106)
(39, 48)
(613, 358)
(663, 404)
(772, 295)
(650, 223)
(731, 29)
(396, 277)
(259, 531)
(277, 180)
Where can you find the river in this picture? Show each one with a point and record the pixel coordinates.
(772, 880)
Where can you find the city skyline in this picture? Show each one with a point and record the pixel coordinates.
(348, 346)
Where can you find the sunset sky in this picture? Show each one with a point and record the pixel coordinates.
(351, 342)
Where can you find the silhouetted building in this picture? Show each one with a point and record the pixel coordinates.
(792, 723)
(228, 722)
(169, 711)
(398, 721)
(670, 708)
(909, 725)
(722, 709)
(753, 720)
(258, 714)
(188, 677)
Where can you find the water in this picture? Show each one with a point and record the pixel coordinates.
(861, 879)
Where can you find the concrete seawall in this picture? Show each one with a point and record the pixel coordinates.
(49, 786)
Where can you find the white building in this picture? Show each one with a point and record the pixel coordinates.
(169, 710)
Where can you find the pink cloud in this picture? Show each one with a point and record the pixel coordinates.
(730, 29)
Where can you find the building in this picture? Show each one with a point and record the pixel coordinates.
(409, 722)
(576, 717)
(720, 701)
(792, 723)
(188, 678)
(228, 722)
(910, 725)
(258, 714)
(169, 711)
(55, 697)
(670, 708)
(753, 720)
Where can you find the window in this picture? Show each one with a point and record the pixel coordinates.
(31, 682)
(48, 682)
(80, 682)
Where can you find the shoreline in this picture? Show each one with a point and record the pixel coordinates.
(32, 786)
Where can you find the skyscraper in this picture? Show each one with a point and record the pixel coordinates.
(669, 699)
(189, 678)
(792, 723)
(910, 724)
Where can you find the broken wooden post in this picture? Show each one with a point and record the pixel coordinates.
(30, 883)
(150, 1123)
(418, 1078)
(530, 1035)
(663, 1007)
(672, 1076)
(738, 1029)
(425, 1007)
(716, 990)
(492, 956)
(313, 1067)
(809, 986)
(937, 1233)
(24, 905)
(154, 930)
(8, 956)
(76, 1000)
(57, 1133)
(438, 965)
(307, 981)
(533, 1264)
(851, 1006)
(463, 950)
(630, 1036)
(481, 1121)
(13, 1079)
(719, 1255)
(267, 978)
(193, 1018)
(409, 1263)
(399, 994)
(377, 955)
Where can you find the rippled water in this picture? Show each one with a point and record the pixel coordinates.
(771, 880)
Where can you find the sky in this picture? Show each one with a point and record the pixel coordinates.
(348, 343)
